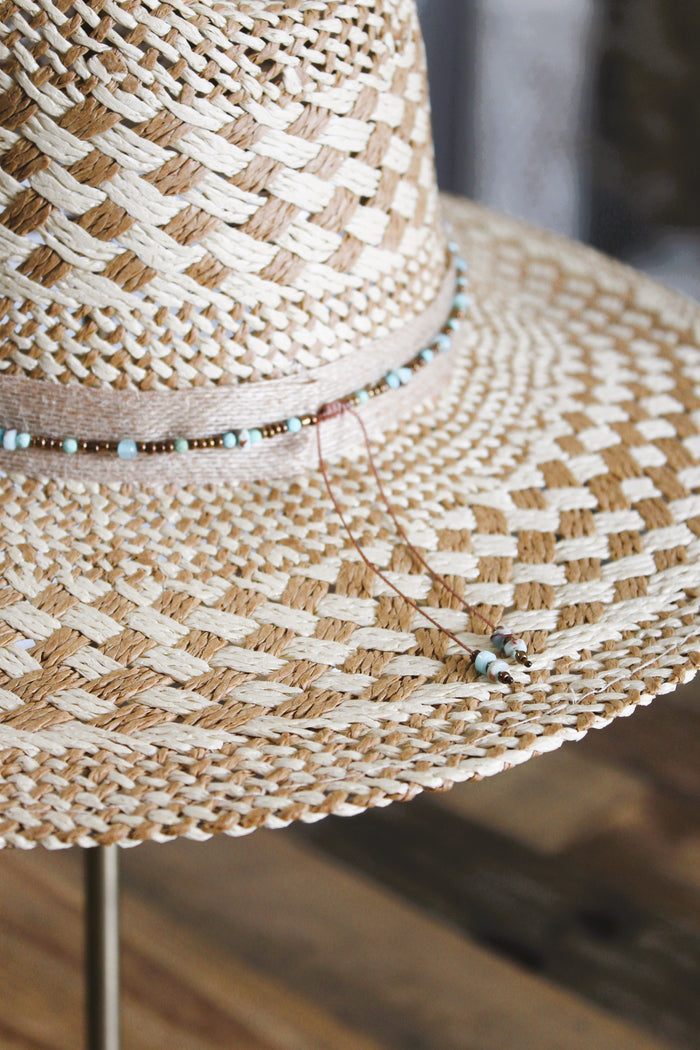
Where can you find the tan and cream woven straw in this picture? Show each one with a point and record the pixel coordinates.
(218, 212)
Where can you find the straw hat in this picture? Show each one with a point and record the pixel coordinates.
(216, 220)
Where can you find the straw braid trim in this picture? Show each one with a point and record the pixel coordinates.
(199, 796)
(188, 661)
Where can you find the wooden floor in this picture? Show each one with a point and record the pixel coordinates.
(555, 906)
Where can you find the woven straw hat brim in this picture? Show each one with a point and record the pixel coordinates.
(218, 659)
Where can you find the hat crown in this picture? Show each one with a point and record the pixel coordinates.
(198, 194)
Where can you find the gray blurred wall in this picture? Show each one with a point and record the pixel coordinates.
(510, 91)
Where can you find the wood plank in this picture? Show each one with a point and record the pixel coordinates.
(686, 697)
(648, 858)
(278, 1017)
(552, 802)
(553, 915)
(639, 835)
(660, 743)
(372, 959)
(179, 990)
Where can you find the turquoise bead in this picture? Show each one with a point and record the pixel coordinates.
(362, 397)
(181, 444)
(483, 659)
(2, 433)
(499, 639)
(230, 440)
(9, 439)
(23, 439)
(461, 265)
(249, 437)
(443, 342)
(294, 425)
(69, 445)
(405, 374)
(126, 449)
(454, 247)
(392, 380)
(427, 354)
(461, 301)
(453, 324)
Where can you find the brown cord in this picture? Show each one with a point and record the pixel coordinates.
(331, 411)
(402, 533)
(520, 657)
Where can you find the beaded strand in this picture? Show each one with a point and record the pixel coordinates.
(128, 448)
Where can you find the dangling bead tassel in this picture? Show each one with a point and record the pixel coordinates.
(502, 640)
(511, 646)
(485, 662)
(488, 664)
(332, 411)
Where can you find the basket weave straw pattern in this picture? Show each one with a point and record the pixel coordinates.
(202, 194)
(186, 661)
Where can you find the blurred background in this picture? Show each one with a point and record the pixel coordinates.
(578, 115)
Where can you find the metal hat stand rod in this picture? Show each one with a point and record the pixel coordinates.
(102, 948)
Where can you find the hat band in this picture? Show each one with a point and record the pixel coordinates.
(155, 421)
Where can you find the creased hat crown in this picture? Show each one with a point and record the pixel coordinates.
(201, 194)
